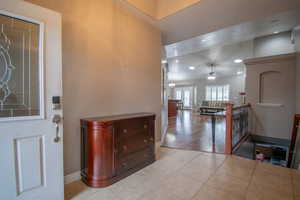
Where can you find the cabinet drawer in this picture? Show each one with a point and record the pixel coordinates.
(133, 144)
(135, 159)
(131, 127)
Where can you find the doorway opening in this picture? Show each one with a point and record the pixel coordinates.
(206, 73)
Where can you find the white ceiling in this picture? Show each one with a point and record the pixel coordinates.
(212, 15)
(223, 57)
(242, 32)
(222, 48)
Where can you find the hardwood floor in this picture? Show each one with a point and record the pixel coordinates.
(192, 131)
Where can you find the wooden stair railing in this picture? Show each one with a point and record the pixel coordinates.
(228, 136)
(293, 139)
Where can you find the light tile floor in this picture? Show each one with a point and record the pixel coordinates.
(191, 175)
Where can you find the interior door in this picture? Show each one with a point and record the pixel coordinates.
(31, 146)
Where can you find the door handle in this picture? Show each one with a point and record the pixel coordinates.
(56, 120)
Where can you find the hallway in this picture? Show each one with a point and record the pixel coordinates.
(192, 131)
(191, 175)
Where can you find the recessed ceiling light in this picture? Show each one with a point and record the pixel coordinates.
(192, 68)
(203, 40)
(239, 73)
(177, 61)
(276, 32)
(164, 61)
(238, 60)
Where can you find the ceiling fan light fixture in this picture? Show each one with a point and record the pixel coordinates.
(172, 84)
(212, 74)
(238, 61)
(211, 78)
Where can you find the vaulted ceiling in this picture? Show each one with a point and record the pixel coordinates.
(212, 15)
(217, 31)
(224, 46)
(207, 16)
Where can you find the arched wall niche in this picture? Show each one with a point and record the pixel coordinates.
(270, 89)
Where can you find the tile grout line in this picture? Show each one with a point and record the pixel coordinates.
(200, 154)
(172, 172)
(226, 157)
(196, 156)
(252, 176)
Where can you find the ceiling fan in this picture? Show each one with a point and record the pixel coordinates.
(212, 73)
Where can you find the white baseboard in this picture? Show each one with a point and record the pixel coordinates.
(72, 177)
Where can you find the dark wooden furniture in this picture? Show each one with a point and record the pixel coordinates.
(293, 140)
(116, 146)
(172, 107)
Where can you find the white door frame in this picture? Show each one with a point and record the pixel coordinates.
(19, 136)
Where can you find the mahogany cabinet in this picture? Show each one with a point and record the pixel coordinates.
(114, 147)
(172, 107)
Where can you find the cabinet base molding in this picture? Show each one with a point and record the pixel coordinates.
(108, 182)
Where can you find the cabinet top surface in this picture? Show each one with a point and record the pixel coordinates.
(118, 117)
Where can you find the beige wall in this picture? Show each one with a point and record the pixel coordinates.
(111, 65)
(272, 98)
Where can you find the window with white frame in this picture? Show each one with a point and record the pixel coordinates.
(178, 94)
(185, 94)
(217, 93)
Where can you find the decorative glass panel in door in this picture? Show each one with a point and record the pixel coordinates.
(20, 69)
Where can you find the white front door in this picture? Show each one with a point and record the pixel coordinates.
(31, 156)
